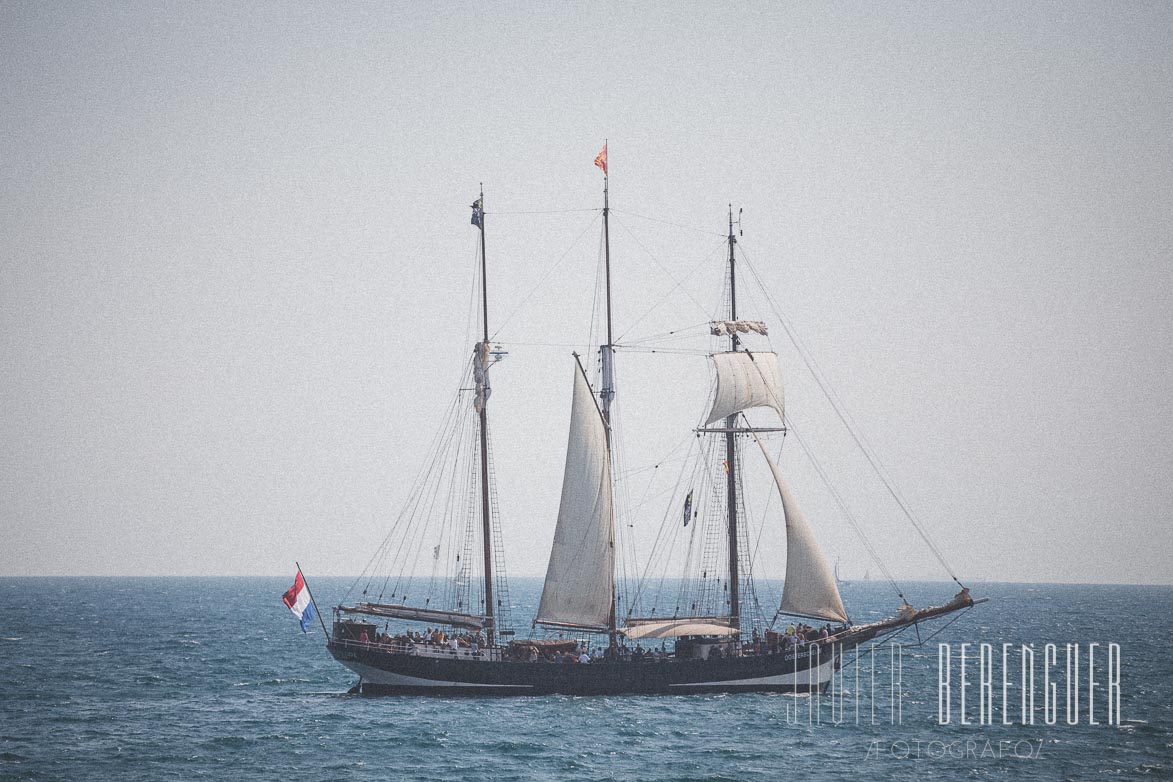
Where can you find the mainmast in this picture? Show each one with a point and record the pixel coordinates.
(481, 359)
(731, 451)
(607, 351)
(579, 591)
(607, 355)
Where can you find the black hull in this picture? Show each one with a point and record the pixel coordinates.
(385, 673)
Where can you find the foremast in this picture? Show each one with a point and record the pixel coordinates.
(731, 452)
(750, 379)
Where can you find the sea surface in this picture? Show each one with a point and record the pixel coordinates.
(211, 678)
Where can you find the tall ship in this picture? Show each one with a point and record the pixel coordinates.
(432, 611)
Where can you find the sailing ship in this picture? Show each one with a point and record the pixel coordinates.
(469, 645)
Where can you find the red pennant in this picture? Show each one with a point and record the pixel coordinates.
(601, 160)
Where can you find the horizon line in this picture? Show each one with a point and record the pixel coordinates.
(919, 580)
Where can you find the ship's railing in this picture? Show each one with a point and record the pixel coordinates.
(437, 651)
(420, 649)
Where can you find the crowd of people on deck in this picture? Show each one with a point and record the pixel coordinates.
(795, 636)
(437, 639)
(581, 654)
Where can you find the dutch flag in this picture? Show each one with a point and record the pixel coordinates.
(299, 602)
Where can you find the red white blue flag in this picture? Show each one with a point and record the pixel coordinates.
(299, 602)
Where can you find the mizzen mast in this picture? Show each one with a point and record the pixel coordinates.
(481, 365)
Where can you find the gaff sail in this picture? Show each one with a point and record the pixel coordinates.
(580, 575)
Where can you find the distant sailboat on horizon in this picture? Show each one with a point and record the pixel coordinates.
(838, 579)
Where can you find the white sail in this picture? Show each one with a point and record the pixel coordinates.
(810, 588)
(671, 628)
(580, 575)
(745, 380)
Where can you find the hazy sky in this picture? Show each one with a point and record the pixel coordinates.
(235, 264)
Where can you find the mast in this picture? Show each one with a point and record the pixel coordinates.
(607, 393)
(574, 595)
(607, 356)
(481, 354)
(731, 452)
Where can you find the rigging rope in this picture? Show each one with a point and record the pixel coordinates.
(545, 277)
(848, 423)
(663, 268)
(787, 422)
(843, 507)
(677, 284)
(678, 351)
(546, 211)
(680, 333)
(668, 222)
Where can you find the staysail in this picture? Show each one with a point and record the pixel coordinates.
(745, 380)
(810, 588)
(579, 578)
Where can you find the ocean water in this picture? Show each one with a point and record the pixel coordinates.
(190, 678)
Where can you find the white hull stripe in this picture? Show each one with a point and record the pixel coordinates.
(807, 678)
(372, 675)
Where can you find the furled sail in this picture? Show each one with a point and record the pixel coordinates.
(810, 588)
(672, 628)
(725, 328)
(580, 575)
(481, 362)
(396, 611)
(745, 380)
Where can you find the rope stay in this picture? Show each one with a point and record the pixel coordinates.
(851, 519)
(553, 267)
(669, 222)
(664, 269)
(849, 423)
(545, 211)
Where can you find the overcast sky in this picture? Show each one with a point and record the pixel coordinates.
(235, 265)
